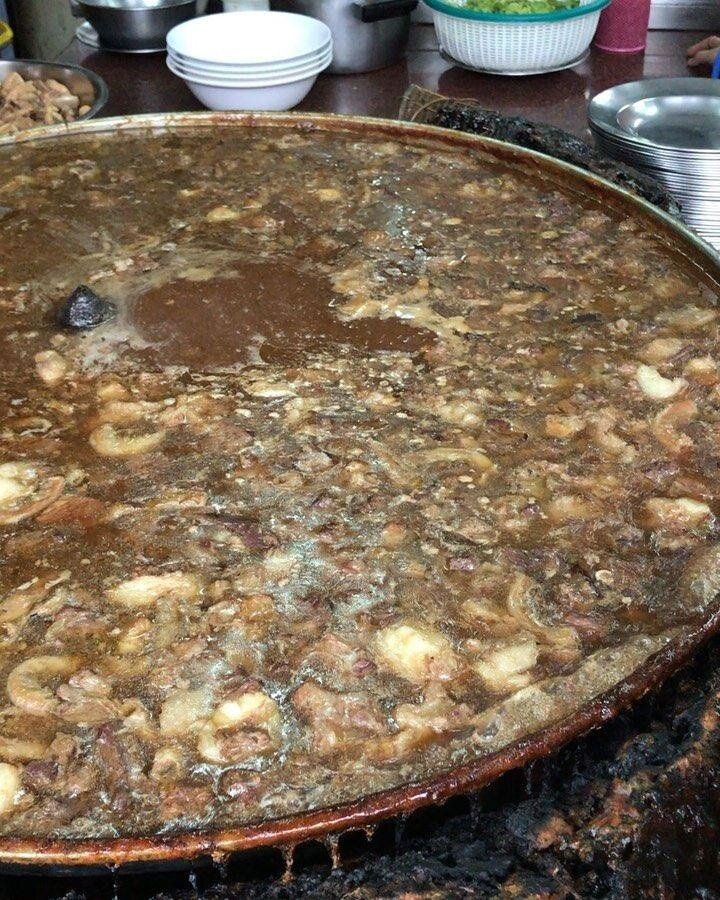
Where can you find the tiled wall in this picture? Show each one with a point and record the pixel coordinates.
(695, 15)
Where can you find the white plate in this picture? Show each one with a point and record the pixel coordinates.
(652, 108)
(687, 122)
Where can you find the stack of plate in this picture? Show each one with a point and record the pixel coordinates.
(670, 129)
(250, 60)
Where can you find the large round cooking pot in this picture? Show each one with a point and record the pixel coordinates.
(655, 666)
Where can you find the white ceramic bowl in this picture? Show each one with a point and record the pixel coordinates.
(273, 98)
(224, 67)
(260, 79)
(248, 38)
(193, 67)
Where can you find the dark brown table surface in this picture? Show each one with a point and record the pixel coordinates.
(143, 83)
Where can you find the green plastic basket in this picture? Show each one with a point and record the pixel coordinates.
(521, 44)
(560, 15)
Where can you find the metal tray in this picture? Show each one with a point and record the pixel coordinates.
(64, 856)
(661, 113)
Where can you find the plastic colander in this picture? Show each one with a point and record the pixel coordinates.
(516, 44)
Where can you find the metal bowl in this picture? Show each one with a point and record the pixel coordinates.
(134, 24)
(88, 87)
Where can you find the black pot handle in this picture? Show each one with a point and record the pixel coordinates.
(377, 10)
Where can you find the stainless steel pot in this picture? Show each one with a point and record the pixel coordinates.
(367, 34)
(133, 24)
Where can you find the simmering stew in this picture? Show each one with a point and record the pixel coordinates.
(385, 456)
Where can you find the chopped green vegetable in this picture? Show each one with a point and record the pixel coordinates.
(519, 7)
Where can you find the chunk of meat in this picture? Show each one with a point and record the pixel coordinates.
(50, 366)
(506, 666)
(660, 350)
(338, 659)
(121, 765)
(21, 749)
(169, 764)
(27, 684)
(436, 717)
(247, 723)
(605, 436)
(678, 514)
(701, 578)
(71, 623)
(233, 747)
(146, 590)
(86, 700)
(184, 712)
(19, 602)
(40, 776)
(336, 720)
(563, 427)
(110, 441)
(572, 508)
(10, 785)
(522, 605)
(72, 509)
(655, 386)
(667, 422)
(25, 490)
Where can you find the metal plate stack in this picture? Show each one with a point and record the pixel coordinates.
(670, 129)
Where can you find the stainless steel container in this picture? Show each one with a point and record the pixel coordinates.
(367, 34)
(88, 87)
(133, 24)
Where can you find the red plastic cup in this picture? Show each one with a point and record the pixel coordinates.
(623, 26)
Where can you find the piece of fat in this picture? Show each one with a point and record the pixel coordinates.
(416, 654)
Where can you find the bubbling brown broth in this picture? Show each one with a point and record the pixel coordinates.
(392, 456)
(271, 305)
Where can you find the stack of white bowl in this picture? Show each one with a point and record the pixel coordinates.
(250, 60)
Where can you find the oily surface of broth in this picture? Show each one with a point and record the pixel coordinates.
(390, 457)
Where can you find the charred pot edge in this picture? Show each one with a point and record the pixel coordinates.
(18, 854)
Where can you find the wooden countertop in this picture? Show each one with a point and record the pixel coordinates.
(143, 83)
